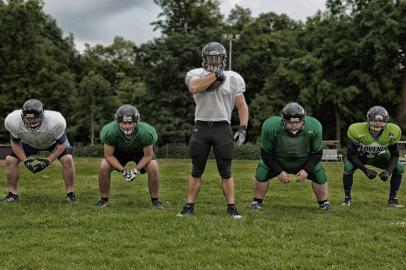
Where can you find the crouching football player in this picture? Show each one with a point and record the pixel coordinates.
(291, 144)
(127, 139)
(376, 143)
(34, 129)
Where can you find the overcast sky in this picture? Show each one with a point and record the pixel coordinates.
(99, 21)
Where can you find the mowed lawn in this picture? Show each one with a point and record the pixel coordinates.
(41, 231)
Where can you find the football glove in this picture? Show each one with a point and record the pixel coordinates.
(28, 164)
(221, 77)
(384, 175)
(371, 174)
(42, 164)
(240, 135)
(129, 175)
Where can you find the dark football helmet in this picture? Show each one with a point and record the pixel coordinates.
(32, 113)
(214, 56)
(377, 117)
(127, 117)
(293, 116)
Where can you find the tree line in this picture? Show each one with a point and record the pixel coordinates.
(337, 64)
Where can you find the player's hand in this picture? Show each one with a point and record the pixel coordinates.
(129, 175)
(301, 175)
(42, 164)
(28, 164)
(371, 174)
(384, 175)
(284, 177)
(240, 135)
(220, 76)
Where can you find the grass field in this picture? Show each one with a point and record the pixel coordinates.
(42, 232)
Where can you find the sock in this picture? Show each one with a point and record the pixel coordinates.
(322, 202)
(347, 184)
(105, 199)
(69, 194)
(231, 205)
(258, 200)
(189, 205)
(12, 194)
(395, 181)
(154, 200)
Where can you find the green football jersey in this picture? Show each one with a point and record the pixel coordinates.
(144, 135)
(290, 150)
(359, 133)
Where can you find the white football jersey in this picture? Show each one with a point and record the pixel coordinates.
(216, 105)
(52, 128)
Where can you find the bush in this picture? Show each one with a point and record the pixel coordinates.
(175, 151)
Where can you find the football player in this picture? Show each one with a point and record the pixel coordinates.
(34, 129)
(215, 92)
(127, 139)
(291, 144)
(374, 142)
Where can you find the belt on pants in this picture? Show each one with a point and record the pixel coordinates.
(211, 123)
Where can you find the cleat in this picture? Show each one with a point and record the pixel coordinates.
(347, 201)
(157, 204)
(325, 206)
(395, 203)
(10, 197)
(71, 197)
(233, 212)
(102, 203)
(256, 205)
(186, 211)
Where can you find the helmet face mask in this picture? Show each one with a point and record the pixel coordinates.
(127, 117)
(377, 118)
(214, 56)
(32, 114)
(293, 117)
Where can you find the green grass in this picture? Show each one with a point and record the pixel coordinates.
(42, 232)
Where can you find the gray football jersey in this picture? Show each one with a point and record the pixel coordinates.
(218, 104)
(52, 128)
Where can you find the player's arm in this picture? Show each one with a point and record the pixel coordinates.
(17, 148)
(267, 149)
(394, 157)
(317, 149)
(110, 158)
(59, 148)
(242, 108)
(198, 85)
(148, 154)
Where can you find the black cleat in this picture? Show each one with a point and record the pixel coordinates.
(347, 201)
(395, 203)
(256, 205)
(102, 203)
(325, 206)
(157, 204)
(71, 197)
(186, 211)
(233, 212)
(10, 197)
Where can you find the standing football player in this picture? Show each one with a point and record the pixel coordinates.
(376, 143)
(127, 139)
(291, 144)
(215, 93)
(34, 129)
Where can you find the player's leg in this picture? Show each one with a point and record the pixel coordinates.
(320, 186)
(349, 169)
(223, 149)
(13, 172)
(12, 176)
(199, 152)
(260, 185)
(68, 173)
(152, 169)
(104, 183)
(382, 162)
